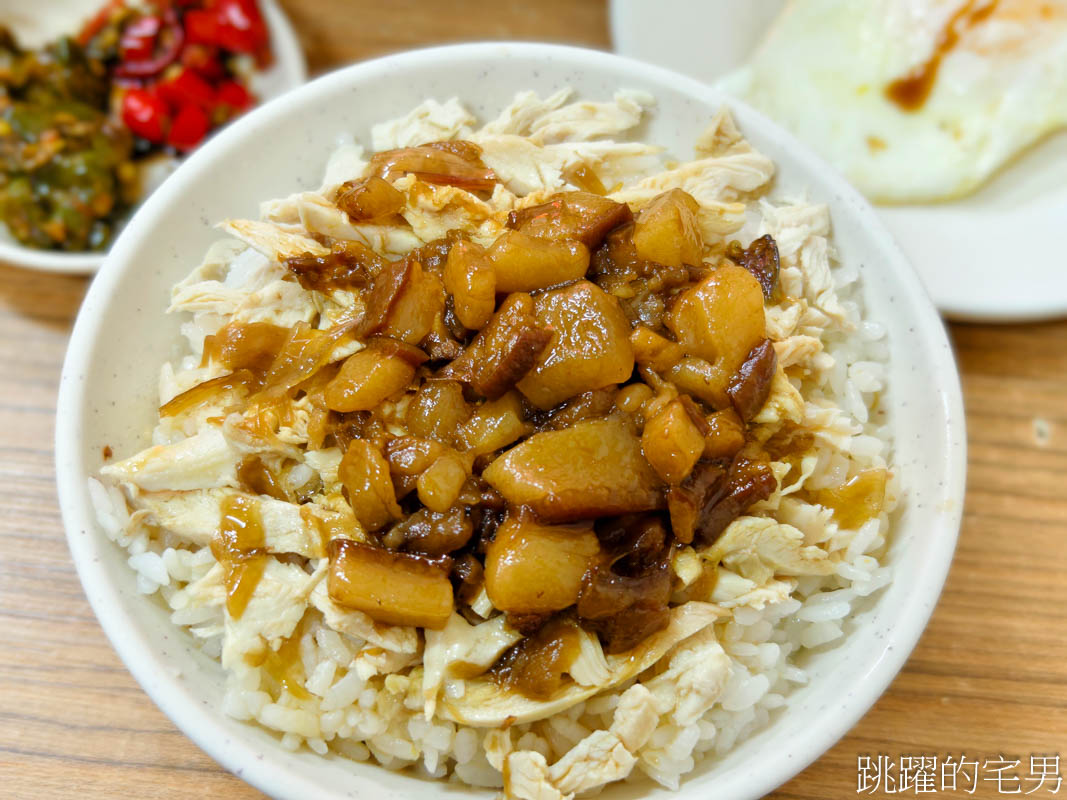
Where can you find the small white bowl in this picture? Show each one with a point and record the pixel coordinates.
(288, 71)
(108, 396)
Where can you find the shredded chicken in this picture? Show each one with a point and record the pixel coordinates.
(721, 137)
(346, 163)
(272, 240)
(432, 211)
(589, 120)
(636, 717)
(485, 704)
(371, 661)
(590, 667)
(731, 591)
(784, 403)
(272, 613)
(526, 110)
(315, 213)
(204, 461)
(800, 231)
(195, 516)
(686, 565)
(601, 757)
(760, 547)
(472, 647)
(526, 168)
(326, 463)
(711, 180)
(695, 677)
(250, 288)
(797, 350)
(430, 121)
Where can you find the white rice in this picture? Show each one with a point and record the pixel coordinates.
(353, 710)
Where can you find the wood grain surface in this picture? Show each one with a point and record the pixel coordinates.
(988, 678)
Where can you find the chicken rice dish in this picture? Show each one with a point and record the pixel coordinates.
(521, 454)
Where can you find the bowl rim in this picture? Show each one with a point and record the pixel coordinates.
(292, 67)
(198, 722)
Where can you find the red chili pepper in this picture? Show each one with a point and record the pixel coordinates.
(131, 49)
(189, 128)
(145, 114)
(240, 26)
(138, 40)
(187, 87)
(233, 95)
(98, 22)
(171, 39)
(248, 9)
(204, 60)
(201, 26)
(263, 55)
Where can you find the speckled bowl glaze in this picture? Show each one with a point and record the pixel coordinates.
(108, 396)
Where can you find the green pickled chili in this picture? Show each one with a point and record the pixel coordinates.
(66, 169)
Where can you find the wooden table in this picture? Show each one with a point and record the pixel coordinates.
(989, 676)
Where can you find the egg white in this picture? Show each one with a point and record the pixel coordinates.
(824, 66)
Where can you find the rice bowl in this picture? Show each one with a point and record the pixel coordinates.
(815, 624)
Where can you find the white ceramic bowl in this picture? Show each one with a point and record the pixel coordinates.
(288, 71)
(108, 396)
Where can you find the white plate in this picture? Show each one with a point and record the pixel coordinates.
(36, 24)
(990, 256)
(108, 395)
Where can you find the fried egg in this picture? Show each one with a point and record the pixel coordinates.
(913, 100)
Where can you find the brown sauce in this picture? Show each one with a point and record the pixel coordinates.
(287, 667)
(704, 586)
(369, 198)
(258, 479)
(434, 254)
(452, 163)
(582, 176)
(911, 91)
(465, 670)
(306, 351)
(250, 349)
(583, 216)
(239, 546)
(859, 499)
(790, 445)
(328, 528)
(348, 265)
(245, 345)
(535, 665)
(207, 391)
